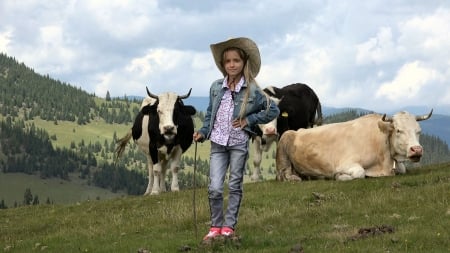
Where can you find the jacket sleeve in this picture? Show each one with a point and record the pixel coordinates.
(268, 111)
(205, 129)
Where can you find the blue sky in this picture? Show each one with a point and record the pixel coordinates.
(377, 55)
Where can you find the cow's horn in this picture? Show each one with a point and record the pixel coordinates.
(424, 117)
(386, 119)
(151, 94)
(185, 96)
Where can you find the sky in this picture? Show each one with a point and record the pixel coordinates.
(378, 55)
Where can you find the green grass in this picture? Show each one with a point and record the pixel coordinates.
(58, 191)
(67, 131)
(275, 216)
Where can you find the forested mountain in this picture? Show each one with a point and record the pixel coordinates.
(22, 89)
(62, 148)
(26, 95)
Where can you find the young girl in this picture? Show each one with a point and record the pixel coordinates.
(236, 106)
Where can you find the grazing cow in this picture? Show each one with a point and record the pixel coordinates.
(163, 130)
(367, 146)
(298, 105)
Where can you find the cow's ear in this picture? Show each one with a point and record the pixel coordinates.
(189, 109)
(149, 109)
(385, 127)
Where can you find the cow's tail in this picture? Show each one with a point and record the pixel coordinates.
(283, 162)
(319, 119)
(121, 144)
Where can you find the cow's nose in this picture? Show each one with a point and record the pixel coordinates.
(270, 130)
(416, 150)
(169, 128)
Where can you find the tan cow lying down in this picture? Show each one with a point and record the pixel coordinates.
(366, 146)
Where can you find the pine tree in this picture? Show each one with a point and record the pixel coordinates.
(35, 200)
(3, 205)
(27, 197)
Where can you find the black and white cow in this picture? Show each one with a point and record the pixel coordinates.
(163, 131)
(299, 106)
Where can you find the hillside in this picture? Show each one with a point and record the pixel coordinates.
(51, 190)
(408, 213)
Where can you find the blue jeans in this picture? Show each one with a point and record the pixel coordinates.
(222, 157)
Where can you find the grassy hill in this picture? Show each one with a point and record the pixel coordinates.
(408, 213)
(75, 190)
(55, 190)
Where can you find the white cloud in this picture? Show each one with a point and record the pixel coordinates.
(5, 40)
(427, 32)
(122, 19)
(410, 79)
(377, 50)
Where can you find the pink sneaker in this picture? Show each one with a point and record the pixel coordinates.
(227, 231)
(213, 232)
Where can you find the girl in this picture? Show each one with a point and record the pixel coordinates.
(236, 106)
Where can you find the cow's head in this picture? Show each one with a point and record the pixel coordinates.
(404, 132)
(169, 109)
(268, 130)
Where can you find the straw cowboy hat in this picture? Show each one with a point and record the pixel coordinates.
(246, 44)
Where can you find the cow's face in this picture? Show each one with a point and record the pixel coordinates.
(166, 111)
(169, 106)
(269, 130)
(404, 135)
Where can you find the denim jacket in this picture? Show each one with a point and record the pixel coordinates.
(257, 110)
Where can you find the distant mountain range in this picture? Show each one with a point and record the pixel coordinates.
(438, 125)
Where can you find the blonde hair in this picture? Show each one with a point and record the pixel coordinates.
(248, 77)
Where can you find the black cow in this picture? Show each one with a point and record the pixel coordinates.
(299, 106)
(169, 134)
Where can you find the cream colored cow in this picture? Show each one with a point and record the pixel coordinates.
(368, 146)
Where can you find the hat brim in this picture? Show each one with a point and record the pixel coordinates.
(246, 44)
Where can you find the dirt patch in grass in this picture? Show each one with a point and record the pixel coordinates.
(371, 231)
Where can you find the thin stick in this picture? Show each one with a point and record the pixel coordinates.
(193, 199)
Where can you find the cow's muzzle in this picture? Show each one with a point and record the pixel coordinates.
(267, 137)
(415, 153)
(169, 132)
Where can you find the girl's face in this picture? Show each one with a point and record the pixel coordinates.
(233, 63)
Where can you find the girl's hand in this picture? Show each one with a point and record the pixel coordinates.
(239, 123)
(198, 136)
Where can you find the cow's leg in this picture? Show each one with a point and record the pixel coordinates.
(290, 176)
(150, 176)
(286, 173)
(174, 167)
(283, 161)
(257, 157)
(162, 179)
(350, 172)
(156, 189)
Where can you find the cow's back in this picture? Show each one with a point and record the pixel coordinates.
(298, 107)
